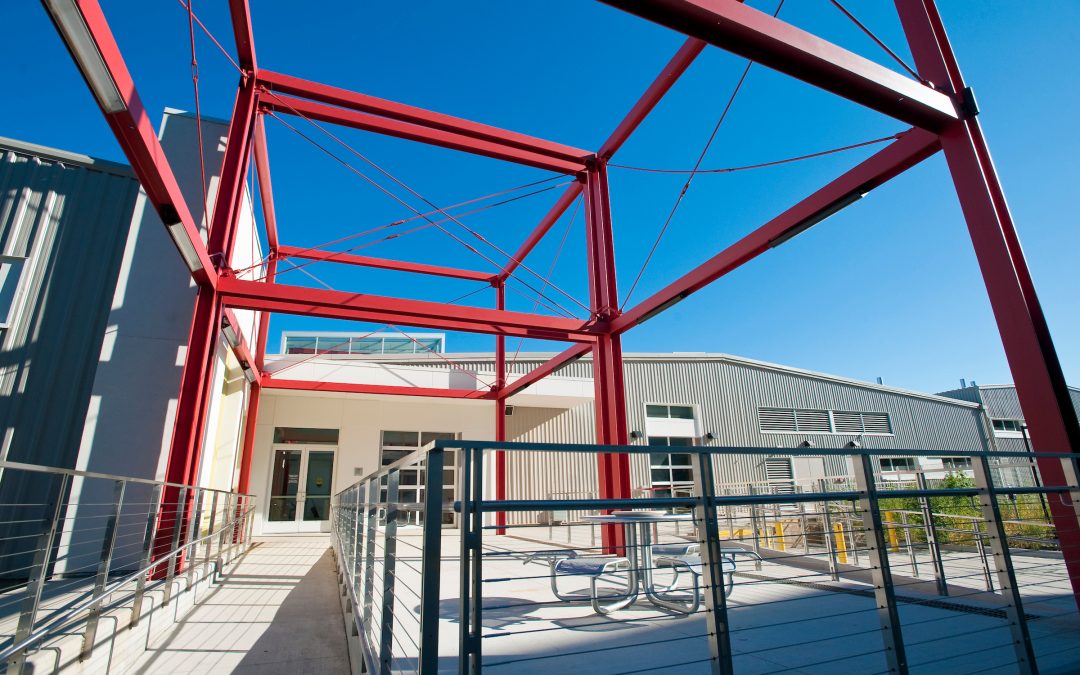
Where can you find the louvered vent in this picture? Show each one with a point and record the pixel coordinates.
(847, 422)
(813, 421)
(777, 419)
(780, 475)
(876, 423)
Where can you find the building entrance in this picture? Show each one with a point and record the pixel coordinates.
(300, 487)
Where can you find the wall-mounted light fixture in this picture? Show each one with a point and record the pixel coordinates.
(636, 435)
(853, 444)
(187, 249)
(230, 333)
(71, 23)
(806, 444)
(710, 436)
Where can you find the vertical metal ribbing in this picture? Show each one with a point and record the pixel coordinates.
(178, 523)
(386, 641)
(884, 595)
(999, 546)
(210, 530)
(931, 538)
(754, 526)
(38, 571)
(716, 617)
(193, 533)
(147, 553)
(108, 545)
(431, 564)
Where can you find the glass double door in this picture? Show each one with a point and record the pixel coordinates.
(301, 483)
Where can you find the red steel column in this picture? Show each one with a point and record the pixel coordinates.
(500, 409)
(252, 418)
(610, 394)
(1040, 382)
(191, 411)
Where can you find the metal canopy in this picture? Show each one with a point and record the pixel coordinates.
(937, 104)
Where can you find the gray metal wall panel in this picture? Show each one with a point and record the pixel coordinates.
(72, 221)
(726, 395)
(70, 216)
(1001, 402)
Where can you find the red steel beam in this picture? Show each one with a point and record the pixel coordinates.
(572, 353)
(234, 165)
(314, 91)
(900, 155)
(382, 263)
(266, 189)
(413, 132)
(546, 223)
(1025, 335)
(240, 13)
(755, 35)
(269, 382)
(243, 351)
(372, 308)
(129, 123)
(656, 91)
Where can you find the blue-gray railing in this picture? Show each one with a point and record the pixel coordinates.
(374, 554)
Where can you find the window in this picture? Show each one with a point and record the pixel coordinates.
(671, 473)
(11, 269)
(674, 412)
(412, 480)
(1009, 425)
(956, 463)
(362, 344)
(898, 464)
(807, 421)
(305, 435)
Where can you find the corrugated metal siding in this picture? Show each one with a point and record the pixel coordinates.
(72, 221)
(1001, 402)
(726, 396)
(70, 216)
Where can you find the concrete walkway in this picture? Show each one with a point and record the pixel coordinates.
(275, 611)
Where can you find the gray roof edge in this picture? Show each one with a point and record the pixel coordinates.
(65, 157)
(701, 356)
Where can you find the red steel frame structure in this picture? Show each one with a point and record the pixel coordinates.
(939, 108)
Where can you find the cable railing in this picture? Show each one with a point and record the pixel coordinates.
(858, 572)
(92, 543)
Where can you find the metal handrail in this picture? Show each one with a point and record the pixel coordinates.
(56, 624)
(237, 508)
(357, 525)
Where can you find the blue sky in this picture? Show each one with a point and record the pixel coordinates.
(889, 287)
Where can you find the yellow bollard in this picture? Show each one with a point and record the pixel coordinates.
(780, 537)
(841, 548)
(894, 542)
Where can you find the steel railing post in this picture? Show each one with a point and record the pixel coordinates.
(999, 545)
(907, 542)
(210, 530)
(178, 522)
(108, 545)
(880, 572)
(357, 535)
(386, 641)
(716, 616)
(374, 497)
(218, 561)
(827, 525)
(147, 554)
(472, 488)
(191, 547)
(931, 538)
(38, 572)
(980, 546)
(431, 564)
(754, 526)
